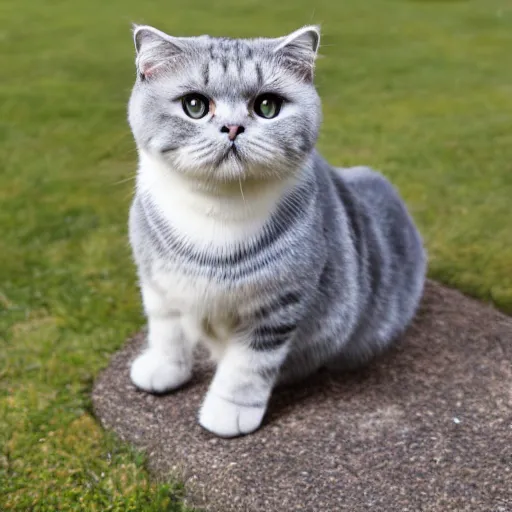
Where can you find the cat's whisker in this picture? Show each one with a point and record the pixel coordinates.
(120, 182)
(242, 190)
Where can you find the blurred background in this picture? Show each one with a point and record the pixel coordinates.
(420, 89)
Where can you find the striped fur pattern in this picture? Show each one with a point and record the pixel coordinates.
(279, 263)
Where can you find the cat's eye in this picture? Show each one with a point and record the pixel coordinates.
(195, 106)
(268, 106)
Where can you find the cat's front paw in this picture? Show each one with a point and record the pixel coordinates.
(228, 419)
(152, 371)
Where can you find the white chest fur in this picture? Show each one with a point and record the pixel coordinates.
(208, 217)
(213, 221)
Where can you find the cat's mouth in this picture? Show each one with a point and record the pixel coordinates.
(231, 153)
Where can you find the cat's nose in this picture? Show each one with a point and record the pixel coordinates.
(233, 130)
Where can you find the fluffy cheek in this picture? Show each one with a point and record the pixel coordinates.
(137, 120)
(282, 143)
(197, 151)
(160, 127)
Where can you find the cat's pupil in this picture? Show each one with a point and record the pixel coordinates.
(195, 105)
(266, 107)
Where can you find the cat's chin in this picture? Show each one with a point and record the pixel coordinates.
(212, 174)
(235, 172)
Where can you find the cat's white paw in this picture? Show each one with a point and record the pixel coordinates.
(152, 371)
(227, 419)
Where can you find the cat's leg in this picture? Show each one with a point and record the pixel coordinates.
(237, 399)
(166, 363)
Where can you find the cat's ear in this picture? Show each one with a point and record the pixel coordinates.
(154, 49)
(300, 48)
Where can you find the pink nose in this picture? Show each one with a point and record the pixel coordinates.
(233, 130)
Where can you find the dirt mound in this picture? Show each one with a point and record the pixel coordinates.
(427, 427)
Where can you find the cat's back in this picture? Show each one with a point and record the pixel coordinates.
(370, 188)
(390, 252)
(374, 198)
(378, 205)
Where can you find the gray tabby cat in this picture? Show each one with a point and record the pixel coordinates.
(244, 237)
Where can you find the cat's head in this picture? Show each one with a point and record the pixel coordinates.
(226, 109)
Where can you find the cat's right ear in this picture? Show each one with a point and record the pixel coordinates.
(299, 50)
(154, 49)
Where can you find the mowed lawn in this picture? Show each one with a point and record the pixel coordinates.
(419, 89)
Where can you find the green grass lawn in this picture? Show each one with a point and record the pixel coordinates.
(419, 89)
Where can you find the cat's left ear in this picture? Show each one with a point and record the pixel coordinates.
(155, 49)
(300, 48)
